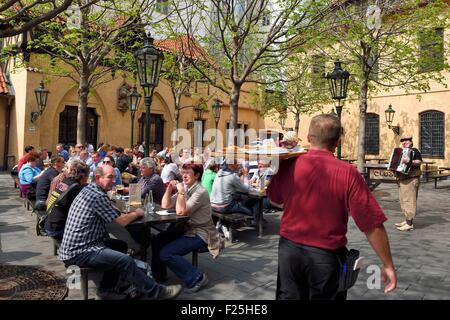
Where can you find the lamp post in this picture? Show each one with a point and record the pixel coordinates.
(338, 84)
(134, 98)
(41, 94)
(389, 113)
(216, 109)
(149, 61)
(198, 125)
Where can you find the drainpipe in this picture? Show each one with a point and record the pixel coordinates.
(7, 127)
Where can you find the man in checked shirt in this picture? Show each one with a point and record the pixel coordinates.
(85, 235)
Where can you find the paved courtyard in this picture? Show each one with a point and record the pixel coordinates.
(247, 269)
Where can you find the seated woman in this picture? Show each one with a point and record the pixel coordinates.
(169, 247)
(29, 174)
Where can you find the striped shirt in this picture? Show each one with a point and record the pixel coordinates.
(86, 223)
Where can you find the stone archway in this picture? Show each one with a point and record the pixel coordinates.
(66, 111)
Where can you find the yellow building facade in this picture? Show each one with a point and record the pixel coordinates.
(105, 122)
(425, 115)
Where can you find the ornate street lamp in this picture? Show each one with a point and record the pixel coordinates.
(216, 109)
(199, 109)
(389, 113)
(338, 84)
(41, 98)
(198, 124)
(134, 98)
(149, 61)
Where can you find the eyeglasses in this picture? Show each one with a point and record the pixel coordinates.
(106, 161)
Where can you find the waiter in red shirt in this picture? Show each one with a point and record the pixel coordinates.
(318, 192)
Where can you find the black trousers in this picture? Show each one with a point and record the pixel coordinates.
(308, 273)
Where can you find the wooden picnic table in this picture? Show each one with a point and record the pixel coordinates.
(150, 220)
(379, 160)
(426, 172)
(427, 163)
(376, 173)
(260, 195)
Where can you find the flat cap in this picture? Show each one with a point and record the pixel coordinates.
(406, 137)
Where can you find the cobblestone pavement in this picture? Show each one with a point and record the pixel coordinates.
(247, 269)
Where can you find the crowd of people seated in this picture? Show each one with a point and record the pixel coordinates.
(78, 180)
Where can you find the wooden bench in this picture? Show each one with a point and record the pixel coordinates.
(84, 272)
(195, 255)
(15, 176)
(234, 219)
(439, 176)
(29, 204)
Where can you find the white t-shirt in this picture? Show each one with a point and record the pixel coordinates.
(169, 172)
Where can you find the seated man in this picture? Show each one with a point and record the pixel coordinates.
(85, 233)
(56, 220)
(150, 180)
(225, 186)
(263, 175)
(261, 179)
(43, 185)
(123, 160)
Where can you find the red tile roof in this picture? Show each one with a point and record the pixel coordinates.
(185, 45)
(3, 85)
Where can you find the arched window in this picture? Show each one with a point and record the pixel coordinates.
(432, 133)
(372, 139)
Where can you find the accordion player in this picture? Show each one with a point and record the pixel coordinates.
(395, 162)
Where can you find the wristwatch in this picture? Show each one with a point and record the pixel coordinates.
(182, 193)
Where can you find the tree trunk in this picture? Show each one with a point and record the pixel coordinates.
(363, 89)
(234, 104)
(297, 122)
(83, 91)
(177, 97)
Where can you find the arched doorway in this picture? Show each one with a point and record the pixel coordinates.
(156, 130)
(68, 126)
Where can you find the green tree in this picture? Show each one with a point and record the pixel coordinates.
(178, 69)
(92, 51)
(247, 39)
(305, 93)
(387, 44)
(18, 16)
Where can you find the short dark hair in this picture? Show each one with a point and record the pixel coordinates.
(119, 149)
(29, 148)
(111, 160)
(55, 158)
(197, 168)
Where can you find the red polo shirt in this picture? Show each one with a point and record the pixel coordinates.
(318, 193)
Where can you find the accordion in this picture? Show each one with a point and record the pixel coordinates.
(395, 162)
